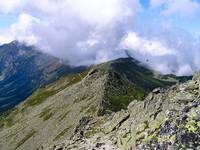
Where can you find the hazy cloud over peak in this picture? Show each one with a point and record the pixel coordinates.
(93, 31)
(80, 31)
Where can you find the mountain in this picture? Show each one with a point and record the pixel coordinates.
(76, 107)
(23, 69)
(167, 119)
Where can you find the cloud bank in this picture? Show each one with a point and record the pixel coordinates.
(85, 32)
(176, 52)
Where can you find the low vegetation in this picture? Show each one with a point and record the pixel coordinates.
(62, 116)
(7, 119)
(121, 94)
(42, 94)
(46, 114)
(28, 136)
(62, 133)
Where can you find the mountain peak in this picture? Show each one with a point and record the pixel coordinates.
(15, 42)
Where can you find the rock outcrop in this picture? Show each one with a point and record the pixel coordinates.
(168, 119)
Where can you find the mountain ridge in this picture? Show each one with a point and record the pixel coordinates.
(62, 105)
(166, 119)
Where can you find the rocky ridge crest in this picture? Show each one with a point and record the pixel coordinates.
(168, 119)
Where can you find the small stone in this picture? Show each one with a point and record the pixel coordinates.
(186, 109)
(156, 91)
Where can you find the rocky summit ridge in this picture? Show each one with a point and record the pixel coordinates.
(105, 107)
(168, 119)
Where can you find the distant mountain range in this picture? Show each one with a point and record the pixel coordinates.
(75, 108)
(23, 69)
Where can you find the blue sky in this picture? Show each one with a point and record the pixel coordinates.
(191, 24)
(7, 20)
(145, 3)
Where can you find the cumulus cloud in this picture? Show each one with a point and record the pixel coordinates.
(85, 32)
(145, 46)
(175, 52)
(21, 30)
(5, 37)
(9, 5)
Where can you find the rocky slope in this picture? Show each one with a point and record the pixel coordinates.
(23, 69)
(168, 119)
(85, 108)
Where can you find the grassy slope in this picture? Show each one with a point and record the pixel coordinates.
(7, 119)
(129, 80)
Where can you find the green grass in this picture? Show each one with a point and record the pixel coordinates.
(7, 119)
(77, 78)
(42, 94)
(83, 108)
(129, 81)
(61, 134)
(46, 114)
(92, 110)
(119, 102)
(121, 94)
(141, 76)
(40, 97)
(62, 116)
(6, 122)
(28, 136)
(91, 133)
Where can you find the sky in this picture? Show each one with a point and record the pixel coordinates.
(163, 34)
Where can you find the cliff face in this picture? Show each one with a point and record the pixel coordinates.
(104, 106)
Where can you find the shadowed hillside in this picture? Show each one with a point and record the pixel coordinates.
(23, 69)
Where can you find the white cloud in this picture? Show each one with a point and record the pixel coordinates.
(21, 30)
(183, 8)
(100, 12)
(9, 5)
(75, 29)
(145, 46)
(170, 51)
(93, 31)
(184, 69)
(5, 37)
